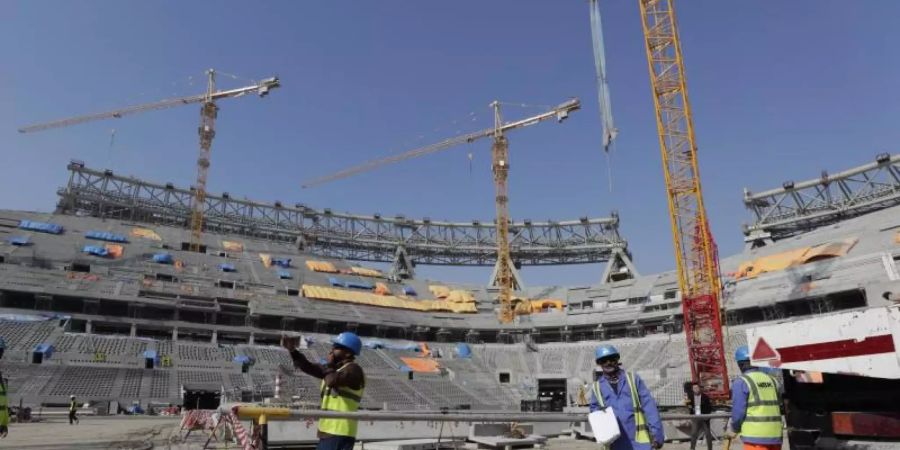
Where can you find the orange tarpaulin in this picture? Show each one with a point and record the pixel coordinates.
(439, 291)
(382, 289)
(421, 364)
(459, 296)
(266, 259)
(540, 305)
(362, 271)
(388, 301)
(115, 251)
(790, 258)
(321, 266)
(233, 246)
(145, 233)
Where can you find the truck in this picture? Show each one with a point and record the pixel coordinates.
(841, 376)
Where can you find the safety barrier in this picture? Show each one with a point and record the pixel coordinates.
(261, 415)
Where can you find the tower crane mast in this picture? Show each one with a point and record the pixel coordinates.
(208, 113)
(695, 253)
(499, 166)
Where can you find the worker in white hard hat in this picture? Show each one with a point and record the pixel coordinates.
(73, 409)
(4, 405)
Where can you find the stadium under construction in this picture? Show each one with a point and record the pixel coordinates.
(104, 299)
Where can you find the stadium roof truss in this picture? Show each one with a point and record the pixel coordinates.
(346, 236)
(800, 207)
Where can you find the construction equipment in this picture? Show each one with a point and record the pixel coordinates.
(208, 113)
(695, 254)
(504, 277)
(841, 376)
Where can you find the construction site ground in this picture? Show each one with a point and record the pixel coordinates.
(145, 432)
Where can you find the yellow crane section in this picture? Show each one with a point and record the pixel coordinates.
(208, 113)
(695, 254)
(500, 168)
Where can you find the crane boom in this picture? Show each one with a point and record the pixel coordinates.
(504, 278)
(208, 113)
(261, 88)
(559, 112)
(695, 254)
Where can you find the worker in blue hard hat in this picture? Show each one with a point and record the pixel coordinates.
(640, 426)
(343, 383)
(4, 403)
(755, 406)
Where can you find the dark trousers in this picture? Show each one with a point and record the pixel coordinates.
(697, 427)
(72, 417)
(336, 443)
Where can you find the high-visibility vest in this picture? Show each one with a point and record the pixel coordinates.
(642, 431)
(763, 407)
(72, 406)
(4, 404)
(342, 399)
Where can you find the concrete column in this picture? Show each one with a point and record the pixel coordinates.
(175, 334)
(252, 338)
(215, 337)
(88, 327)
(133, 332)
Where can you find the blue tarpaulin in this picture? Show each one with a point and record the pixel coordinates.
(284, 275)
(225, 267)
(105, 236)
(46, 349)
(373, 344)
(243, 359)
(408, 290)
(162, 258)
(405, 368)
(335, 282)
(19, 240)
(360, 285)
(150, 354)
(463, 350)
(43, 227)
(95, 250)
(282, 262)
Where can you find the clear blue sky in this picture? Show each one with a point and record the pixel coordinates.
(780, 90)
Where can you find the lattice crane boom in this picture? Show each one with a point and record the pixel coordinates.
(559, 112)
(208, 113)
(500, 169)
(695, 254)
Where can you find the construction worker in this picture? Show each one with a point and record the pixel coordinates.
(4, 403)
(698, 403)
(73, 409)
(635, 409)
(343, 382)
(755, 406)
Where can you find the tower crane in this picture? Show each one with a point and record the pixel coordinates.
(695, 253)
(208, 112)
(500, 167)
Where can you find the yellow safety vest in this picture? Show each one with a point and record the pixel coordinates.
(763, 407)
(341, 399)
(642, 432)
(4, 404)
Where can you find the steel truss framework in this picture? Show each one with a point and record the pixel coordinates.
(354, 237)
(799, 207)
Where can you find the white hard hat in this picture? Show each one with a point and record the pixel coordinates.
(71, 396)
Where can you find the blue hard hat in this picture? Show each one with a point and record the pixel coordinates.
(605, 350)
(350, 341)
(742, 354)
